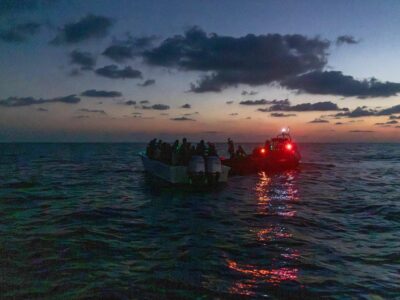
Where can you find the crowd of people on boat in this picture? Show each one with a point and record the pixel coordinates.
(178, 153)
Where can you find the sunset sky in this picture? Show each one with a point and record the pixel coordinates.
(125, 71)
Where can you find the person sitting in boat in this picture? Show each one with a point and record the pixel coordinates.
(212, 151)
(184, 152)
(201, 148)
(231, 148)
(151, 147)
(175, 153)
(240, 153)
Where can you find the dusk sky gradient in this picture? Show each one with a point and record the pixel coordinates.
(76, 71)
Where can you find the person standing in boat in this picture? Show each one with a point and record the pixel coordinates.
(231, 148)
(240, 153)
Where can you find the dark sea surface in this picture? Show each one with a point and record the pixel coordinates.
(83, 221)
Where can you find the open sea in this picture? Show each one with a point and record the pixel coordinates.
(83, 221)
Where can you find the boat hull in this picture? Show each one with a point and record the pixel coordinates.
(174, 174)
(251, 164)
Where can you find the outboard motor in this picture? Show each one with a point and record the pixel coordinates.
(196, 169)
(213, 169)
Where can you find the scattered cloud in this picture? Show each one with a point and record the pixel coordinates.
(249, 93)
(229, 102)
(147, 82)
(364, 112)
(81, 117)
(85, 60)
(187, 105)
(393, 117)
(113, 72)
(97, 111)
(338, 123)
(42, 109)
(234, 114)
(318, 106)
(101, 94)
(319, 121)
(88, 27)
(361, 131)
(335, 83)
(265, 102)
(13, 6)
(182, 119)
(28, 101)
(129, 48)
(346, 39)
(144, 102)
(129, 102)
(280, 115)
(19, 33)
(389, 111)
(157, 107)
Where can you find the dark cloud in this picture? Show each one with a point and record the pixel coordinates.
(319, 121)
(318, 106)
(335, 83)
(389, 111)
(346, 39)
(81, 117)
(19, 33)
(364, 112)
(250, 93)
(265, 102)
(85, 60)
(357, 113)
(361, 131)
(112, 71)
(14, 6)
(101, 94)
(89, 27)
(157, 107)
(229, 102)
(280, 115)
(234, 114)
(187, 105)
(144, 102)
(147, 82)
(97, 111)
(42, 109)
(122, 50)
(338, 123)
(252, 59)
(392, 122)
(130, 102)
(191, 114)
(27, 101)
(182, 119)
(164, 114)
(394, 117)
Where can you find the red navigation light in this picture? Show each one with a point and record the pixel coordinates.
(262, 151)
(289, 147)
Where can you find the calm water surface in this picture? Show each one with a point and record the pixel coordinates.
(81, 221)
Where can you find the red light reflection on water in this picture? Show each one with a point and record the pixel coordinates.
(273, 276)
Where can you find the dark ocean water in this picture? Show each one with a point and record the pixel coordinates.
(84, 221)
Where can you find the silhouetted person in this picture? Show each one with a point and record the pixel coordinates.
(240, 152)
(201, 148)
(212, 151)
(231, 148)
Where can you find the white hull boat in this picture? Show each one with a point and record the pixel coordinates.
(175, 174)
